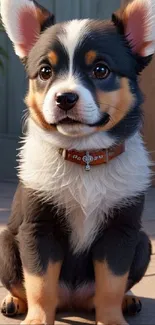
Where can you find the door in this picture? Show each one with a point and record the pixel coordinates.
(12, 84)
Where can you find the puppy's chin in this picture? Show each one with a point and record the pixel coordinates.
(75, 130)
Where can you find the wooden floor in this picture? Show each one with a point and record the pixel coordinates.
(145, 289)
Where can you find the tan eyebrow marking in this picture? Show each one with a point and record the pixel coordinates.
(53, 57)
(90, 57)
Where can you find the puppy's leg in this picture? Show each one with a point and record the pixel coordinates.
(42, 295)
(109, 295)
(113, 255)
(141, 260)
(41, 258)
(11, 276)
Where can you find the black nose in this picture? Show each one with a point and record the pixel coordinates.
(66, 101)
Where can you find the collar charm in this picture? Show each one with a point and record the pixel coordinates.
(87, 159)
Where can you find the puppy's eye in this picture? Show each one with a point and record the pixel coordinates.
(101, 71)
(45, 73)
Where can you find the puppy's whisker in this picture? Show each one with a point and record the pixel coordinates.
(113, 121)
(24, 121)
(86, 110)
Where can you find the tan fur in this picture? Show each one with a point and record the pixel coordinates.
(90, 57)
(84, 304)
(42, 295)
(109, 295)
(18, 291)
(42, 15)
(34, 101)
(53, 57)
(130, 9)
(117, 103)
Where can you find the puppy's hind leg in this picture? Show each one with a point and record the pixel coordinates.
(11, 276)
(131, 304)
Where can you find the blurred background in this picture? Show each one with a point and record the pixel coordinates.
(13, 83)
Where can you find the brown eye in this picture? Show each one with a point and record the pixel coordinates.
(45, 73)
(101, 71)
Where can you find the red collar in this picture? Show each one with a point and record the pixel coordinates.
(90, 158)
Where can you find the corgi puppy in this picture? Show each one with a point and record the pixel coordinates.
(74, 238)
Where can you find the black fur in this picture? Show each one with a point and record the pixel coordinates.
(118, 243)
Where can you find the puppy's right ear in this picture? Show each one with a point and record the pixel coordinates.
(137, 23)
(23, 21)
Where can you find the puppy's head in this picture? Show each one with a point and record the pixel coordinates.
(83, 73)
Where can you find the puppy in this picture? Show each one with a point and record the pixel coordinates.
(74, 236)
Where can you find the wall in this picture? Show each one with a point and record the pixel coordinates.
(70, 9)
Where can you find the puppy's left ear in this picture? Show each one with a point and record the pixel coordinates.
(23, 21)
(45, 18)
(137, 22)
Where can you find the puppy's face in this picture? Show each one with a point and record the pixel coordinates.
(80, 75)
(83, 74)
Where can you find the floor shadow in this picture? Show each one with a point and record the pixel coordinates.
(146, 317)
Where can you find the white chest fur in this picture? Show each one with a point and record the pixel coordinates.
(86, 196)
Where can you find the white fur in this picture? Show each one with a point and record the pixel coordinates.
(10, 12)
(75, 30)
(86, 196)
(93, 141)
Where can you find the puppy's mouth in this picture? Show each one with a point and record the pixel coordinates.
(68, 120)
(74, 128)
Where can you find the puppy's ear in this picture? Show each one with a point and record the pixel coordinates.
(137, 22)
(23, 21)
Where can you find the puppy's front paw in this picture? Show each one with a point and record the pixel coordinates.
(131, 305)
(113, 322)
(37, 316)
(32, 321)
(110, 317)
(12, 306)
